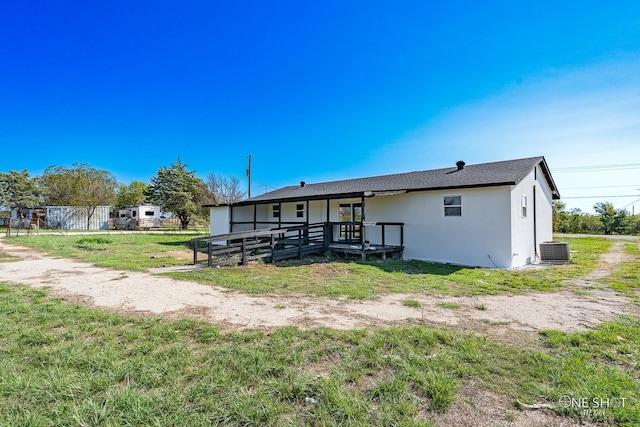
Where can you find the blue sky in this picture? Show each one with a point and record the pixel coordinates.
(325, 90)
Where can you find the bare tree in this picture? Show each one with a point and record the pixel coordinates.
(224, 190)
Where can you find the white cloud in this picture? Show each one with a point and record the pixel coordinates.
(574, 117)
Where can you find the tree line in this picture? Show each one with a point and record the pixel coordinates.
(175, 188)
(607, 220)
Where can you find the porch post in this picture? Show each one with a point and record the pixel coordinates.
(328, 209)
(362, 230)
(306, 232)
(255, 215)
(362, 239)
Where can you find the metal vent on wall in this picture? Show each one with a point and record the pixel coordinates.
(554, 252)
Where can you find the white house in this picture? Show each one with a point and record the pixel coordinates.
(490, 215)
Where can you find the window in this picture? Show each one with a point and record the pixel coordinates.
(133, 213)
(149, 213)
(452, 205)
(276, 211)
(524, 206)
(300, 210)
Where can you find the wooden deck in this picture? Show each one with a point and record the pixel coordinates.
(282, 243)
(378, 250)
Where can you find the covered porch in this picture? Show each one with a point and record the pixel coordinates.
(298, 241)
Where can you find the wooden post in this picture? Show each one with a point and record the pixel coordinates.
(194, 242)
(209, 260)
(362, 238)
(244, 252)
(306, 214)
(299, 244)
(328, 210)
(383, 240)
(280, 215)
(325, 236)
(255, 216)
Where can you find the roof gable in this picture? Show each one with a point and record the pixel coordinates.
(508, 172)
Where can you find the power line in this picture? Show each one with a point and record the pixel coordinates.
(266, 187)
(597, 168)
(601, 186)
(624, 207)
(599, 197)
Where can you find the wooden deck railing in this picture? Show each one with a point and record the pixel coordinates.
(276, 244)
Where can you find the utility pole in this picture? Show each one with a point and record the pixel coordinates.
(249, 176)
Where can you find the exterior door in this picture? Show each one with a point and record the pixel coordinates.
(351, 215)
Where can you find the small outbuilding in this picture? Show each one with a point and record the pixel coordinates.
(64, 217)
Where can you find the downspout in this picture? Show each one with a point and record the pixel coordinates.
(535, 215)
(535, 225)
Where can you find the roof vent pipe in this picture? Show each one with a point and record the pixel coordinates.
(302, 183)
(460, 164)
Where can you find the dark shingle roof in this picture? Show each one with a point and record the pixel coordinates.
(508, 172)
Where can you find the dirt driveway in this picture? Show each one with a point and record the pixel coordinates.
(145, 293)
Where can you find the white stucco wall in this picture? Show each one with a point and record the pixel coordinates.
(219, 220)
(481, 232)
(522, 237)
(317, 211)
(545, 210)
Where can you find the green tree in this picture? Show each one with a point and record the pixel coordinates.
(559, 216)
(634, 224)
(82, 186)
(19, 191)
(612, 219)
(178, 191)
(132, 194)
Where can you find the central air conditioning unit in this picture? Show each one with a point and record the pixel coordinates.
(555, 252)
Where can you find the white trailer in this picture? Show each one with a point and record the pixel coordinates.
(135, 217)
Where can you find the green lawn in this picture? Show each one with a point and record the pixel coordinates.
(319, 276)
(62, 364)
(625, 277)
(120, 251)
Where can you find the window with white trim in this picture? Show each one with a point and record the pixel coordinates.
(452, 205)
(523, 202)
(276, 211)
(300, 210)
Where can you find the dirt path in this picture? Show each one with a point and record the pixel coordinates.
(143, 293)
